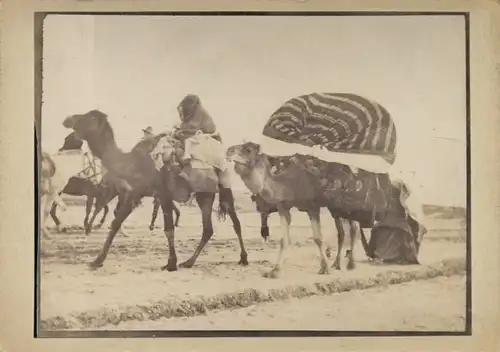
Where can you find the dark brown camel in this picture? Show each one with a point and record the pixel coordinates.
(77, 186)
(135, 173)
(281, 190)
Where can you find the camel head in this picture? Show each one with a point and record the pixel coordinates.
(244, 156)
(86, 125)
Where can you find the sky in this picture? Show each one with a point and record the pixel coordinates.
(136, 69)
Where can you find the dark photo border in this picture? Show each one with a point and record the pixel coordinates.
(38, 62)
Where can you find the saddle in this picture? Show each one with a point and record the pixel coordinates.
(201, 175)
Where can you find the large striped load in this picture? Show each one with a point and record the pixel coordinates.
(336, 122)
(336, 132)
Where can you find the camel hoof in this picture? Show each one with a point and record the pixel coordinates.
(96, 264)
(351, 265)
(324, 269)
(273, 274)
(336, 265)
(169, 267)
(243, 261)
(187, 264)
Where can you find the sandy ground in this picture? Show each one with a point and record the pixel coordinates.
(131, 276)
(434, 305)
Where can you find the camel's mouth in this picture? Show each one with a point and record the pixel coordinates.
(238, 160)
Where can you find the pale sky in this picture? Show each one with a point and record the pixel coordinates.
(137, 69)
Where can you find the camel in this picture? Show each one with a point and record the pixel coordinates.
(57, 170)
(48, 190)
(281, 191)
(135, 173)
(77, 186)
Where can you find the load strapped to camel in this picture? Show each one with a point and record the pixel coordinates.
(349, 142)
(78, 163)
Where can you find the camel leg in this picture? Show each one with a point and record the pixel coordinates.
(156, 206)
(115, 212)
(46, 202)
(264, 228)
(88, 209)
(103, 198)
(53, 215)
(286, 220)
(177, 215)
(353, 231)
(226, 197)
(50, 200)
(123, 212)
(314, 216)
(237, 229)
(169, 229)
(341, 238)
(102, 201)
(98, 208)
(205, 201)
(58, 202)
(106, 210)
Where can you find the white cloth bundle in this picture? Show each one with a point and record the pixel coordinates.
(372, 163)
(202, 147)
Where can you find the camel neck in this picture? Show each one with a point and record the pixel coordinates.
(104, 149)
(259, 179)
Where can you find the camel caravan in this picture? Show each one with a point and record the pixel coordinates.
(321, 150)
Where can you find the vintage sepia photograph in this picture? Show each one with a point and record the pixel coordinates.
(279, 174)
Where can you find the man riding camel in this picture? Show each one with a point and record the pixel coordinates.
(198, 134)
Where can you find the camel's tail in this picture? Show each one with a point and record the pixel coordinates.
(226, 202)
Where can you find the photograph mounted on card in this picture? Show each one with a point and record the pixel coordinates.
(215, 174)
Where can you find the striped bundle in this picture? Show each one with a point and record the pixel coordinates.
(338, 122)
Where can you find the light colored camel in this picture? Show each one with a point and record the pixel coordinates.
(55, 172)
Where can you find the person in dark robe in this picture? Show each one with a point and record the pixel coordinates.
(397, 238)
(72, 142)
(194, 119)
